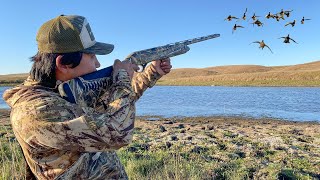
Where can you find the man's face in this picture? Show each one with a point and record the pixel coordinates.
(89, 63)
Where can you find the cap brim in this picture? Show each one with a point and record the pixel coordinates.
(99, 49)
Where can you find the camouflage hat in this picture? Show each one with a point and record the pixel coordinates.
(65, 34)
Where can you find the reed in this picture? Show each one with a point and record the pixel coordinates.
(12, 165)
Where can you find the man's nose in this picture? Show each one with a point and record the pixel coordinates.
(97, 63)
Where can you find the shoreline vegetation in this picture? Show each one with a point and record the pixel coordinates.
(202, 148)
(12, 79)
(301, 75)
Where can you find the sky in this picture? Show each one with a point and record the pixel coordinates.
(142, 24)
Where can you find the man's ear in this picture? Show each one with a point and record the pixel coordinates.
(60, 67)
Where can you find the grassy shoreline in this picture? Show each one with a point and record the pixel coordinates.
(224, 84)
(9, 84)
(203, 148)
(187, 82)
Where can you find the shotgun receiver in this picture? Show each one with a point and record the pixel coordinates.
(84, 90)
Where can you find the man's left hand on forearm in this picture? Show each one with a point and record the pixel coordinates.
(163, 66)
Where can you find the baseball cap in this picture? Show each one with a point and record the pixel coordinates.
(65, 34)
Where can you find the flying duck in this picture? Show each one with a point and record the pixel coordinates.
(229, 18)
(287, 39)
(303, 19)
(262, 45)
(258, 23)
(269, 15)
(244, 15)
(254, 16)
(235, 27)
(291, 23)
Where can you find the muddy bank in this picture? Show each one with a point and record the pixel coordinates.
(210, 131)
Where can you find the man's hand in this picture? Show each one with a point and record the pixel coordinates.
(129, 67)
(163, 66)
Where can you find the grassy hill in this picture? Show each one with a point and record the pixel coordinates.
(307, 74)
(12, 79)
(247, 75)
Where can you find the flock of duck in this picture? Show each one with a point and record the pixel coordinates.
(277, 16)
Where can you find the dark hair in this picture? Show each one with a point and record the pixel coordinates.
(44, 66)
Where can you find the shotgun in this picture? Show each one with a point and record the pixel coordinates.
(85, 90)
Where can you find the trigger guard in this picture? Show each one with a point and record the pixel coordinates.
(142, 67)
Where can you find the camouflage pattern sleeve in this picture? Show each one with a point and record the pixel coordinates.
(63, 125)
(143, 80)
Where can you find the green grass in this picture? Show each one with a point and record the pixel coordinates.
(162, 165)
(12, 165)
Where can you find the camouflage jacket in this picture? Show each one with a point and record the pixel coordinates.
(61, 140)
